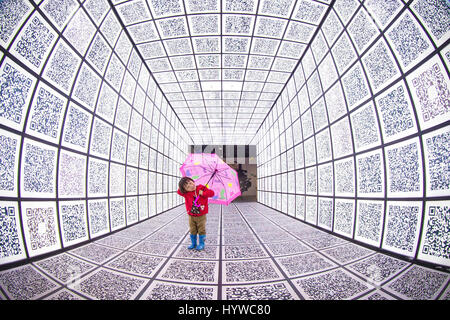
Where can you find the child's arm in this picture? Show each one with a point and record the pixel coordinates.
(207, 193)
(179, 192)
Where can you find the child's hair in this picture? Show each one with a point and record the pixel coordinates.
(182, 182)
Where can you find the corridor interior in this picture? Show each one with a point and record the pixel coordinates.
(252, 253)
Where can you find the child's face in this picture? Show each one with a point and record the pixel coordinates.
(189, 186)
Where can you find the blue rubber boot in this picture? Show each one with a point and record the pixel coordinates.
(201, 242)
(194, 242)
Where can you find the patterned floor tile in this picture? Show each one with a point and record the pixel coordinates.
(110, 285)
(26, 283)
(159, 290)
(332, 285)
(137, 263)
(193, 271)
(64, 267)
(418, 283)
(304, 264)
(267, 291)
(261, 270)
(378, 268)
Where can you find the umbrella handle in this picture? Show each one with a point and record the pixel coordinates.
(195, 201)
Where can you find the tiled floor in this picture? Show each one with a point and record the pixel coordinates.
(252, 252)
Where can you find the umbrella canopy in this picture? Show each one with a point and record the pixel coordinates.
(224, 182)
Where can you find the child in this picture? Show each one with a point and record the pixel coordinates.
(197, 214)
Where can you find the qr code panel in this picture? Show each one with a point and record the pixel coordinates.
(98, 217)
(15, 92)
(73, 222)
(435, 243)
(369, 222)
(47, 114)
(38, 170)
(9, 145)
(40, 227)
(76, 128)
(402, 227)
(396, 115)
(11, 244)
(72, 171)
(436, 157)
(370, 173)
(34, 43)
(12, 14)
(404, 169)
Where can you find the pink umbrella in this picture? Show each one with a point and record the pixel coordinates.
(211, 171)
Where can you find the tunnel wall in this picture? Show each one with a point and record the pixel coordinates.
(358, 141)
(88, 143)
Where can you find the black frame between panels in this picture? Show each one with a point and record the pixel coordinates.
(163, 117)
(280, 107)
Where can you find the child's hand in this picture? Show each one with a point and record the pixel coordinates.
(200, 192)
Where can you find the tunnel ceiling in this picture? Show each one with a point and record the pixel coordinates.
(221, 64)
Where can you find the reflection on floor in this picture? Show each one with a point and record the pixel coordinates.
(252, 252)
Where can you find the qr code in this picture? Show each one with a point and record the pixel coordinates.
(133, 12)
(404, 169)
(355, 86)
(325, 213)
(435, 15)
(340, 285)
(10, 231)
(174, 27)
(42, 227)
(326, 179)
(98, 216)
(369, 221)
(123, 115)
(101, 138)
(343, 217)
(35, 42)
(383, 11)
(432, 91)
(73, 221)
(15, 89)
(46, 114)
(11, 14)
(362, 30)
(188, 271)
(25, 283)
(97, 177)
(408, 40)
(396, 114)
(370, 174)
(62, 67)
(38, 169)
(275, 291)
(435, 240)
(97, 9)
(365, 126)
(119, 145)
(115, 72)
(343, 53)
(117, 213)
(438, 153)
(171, 291)
(263, 46)
(132, 177)
(76, 127)
(8, 152)
(311, 180)
(86, 87)
(380, 65)
(108, 285)
(418, 283)
(342, 139)
(402, 227)
(204, 24)
(72, 170)
(59, 11)
(99, 53)
(132, 210)
(306, 11)
(116, 179)
(323, 145)
(249, 271)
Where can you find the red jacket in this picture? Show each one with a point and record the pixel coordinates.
(202, 201)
